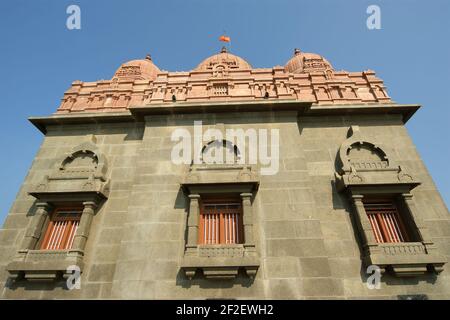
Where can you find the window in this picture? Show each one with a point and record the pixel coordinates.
(393, 234)
(221, 223)
(67, 201)
(61, 229)
(220, 89)
(386, 221)
(218, 242)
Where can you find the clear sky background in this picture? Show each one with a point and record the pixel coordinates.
(40, 57)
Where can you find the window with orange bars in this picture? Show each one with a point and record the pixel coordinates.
(387, 223)
(61, 229)
(221, 223)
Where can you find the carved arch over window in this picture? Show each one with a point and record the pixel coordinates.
(83, 169)
(84, 159)
(220, 152)
(360, 154)
(365, 155)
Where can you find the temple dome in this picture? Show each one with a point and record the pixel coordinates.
(224, 59)
(307, 62)
(143, 69)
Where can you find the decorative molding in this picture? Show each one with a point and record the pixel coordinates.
(364, 164)
(408, 248)
(221, 250)
(217, 178)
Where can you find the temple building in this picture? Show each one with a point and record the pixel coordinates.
(109, 210)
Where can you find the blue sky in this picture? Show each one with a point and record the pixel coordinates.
(40, 57)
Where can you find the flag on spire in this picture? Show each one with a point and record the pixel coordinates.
(224, 38)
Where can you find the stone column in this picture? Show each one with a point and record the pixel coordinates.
(422, 230)
(34, 231)
(82, 233)
(366, 231)
(247, 219)
(192, 223)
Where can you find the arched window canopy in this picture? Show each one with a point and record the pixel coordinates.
(220, 152)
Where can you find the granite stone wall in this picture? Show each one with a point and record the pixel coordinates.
(305, 237)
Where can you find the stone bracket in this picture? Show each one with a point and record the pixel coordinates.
(219, 268)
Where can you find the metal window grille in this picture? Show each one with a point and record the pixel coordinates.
(386, 222)
(220, 223)
(61, 230)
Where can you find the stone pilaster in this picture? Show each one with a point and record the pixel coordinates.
(418, 221)
(192, 222)
(34, 231)
(249, 243)
(366, 231)
(82, 233)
